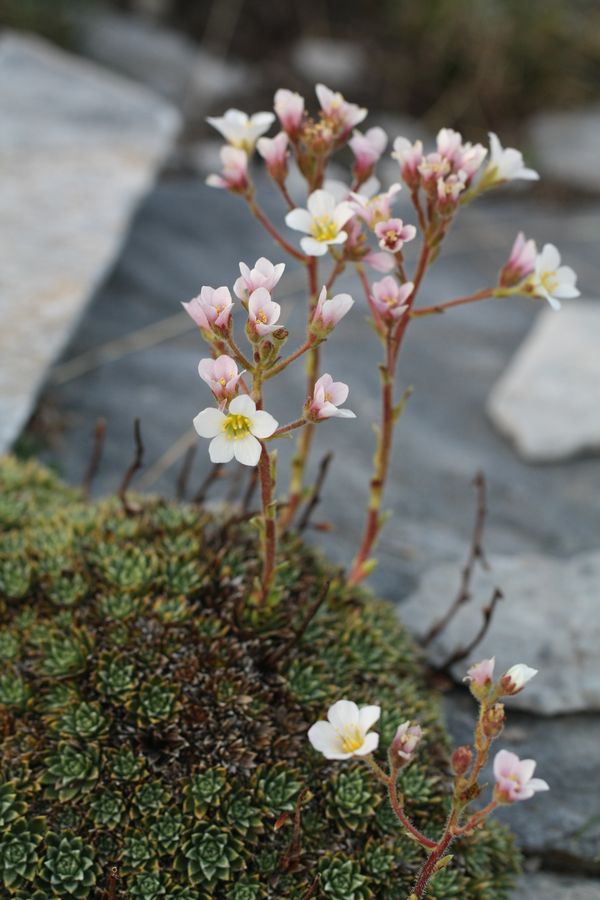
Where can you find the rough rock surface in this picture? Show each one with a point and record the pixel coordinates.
(559, 156)
(78, 149)
(548, 398)
(547, 619)
(542, 886)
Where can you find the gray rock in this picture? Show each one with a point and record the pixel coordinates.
(548, 398)
(548, 619)
(542, 886)
(561, 827)
(337, 63)
(561, 157)
(78, 149)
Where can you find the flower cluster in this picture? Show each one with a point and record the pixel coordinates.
(347, 733)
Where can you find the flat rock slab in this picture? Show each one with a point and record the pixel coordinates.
(559, 155)
(548, 619)
(548, 399)
(78, 149)
(560, 828)
(542, 886)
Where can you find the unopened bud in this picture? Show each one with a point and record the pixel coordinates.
(461, 759)
(403, 746)
(280, 334)
(493, 720)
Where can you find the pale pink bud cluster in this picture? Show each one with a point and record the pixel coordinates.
(234, 176)
(410, 157)
(263, 275)
(221, 375)
(514, 778)
(340, 115)
(211, 309)
(520, 264)
(393, 234)
(367, 149)
(390, 298)
(402, 748)
(328, 396)
(328, 312)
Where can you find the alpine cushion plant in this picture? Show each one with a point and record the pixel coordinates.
(165, 755)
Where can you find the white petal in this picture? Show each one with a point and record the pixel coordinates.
(370, 744)
(324, 737)
(344, 414)
(555, 304)
(343, 212)
(321, 203)
(538, 784)
(220, 449)
(299, 220)
(549, 258)
(209, 422)
(368, 715)
(343, 713)
(338, 239)
(247, 450)
(263, 424)
(313, 247)
(242, 405)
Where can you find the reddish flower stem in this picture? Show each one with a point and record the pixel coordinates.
(307, 345)
(400, 814)
(270, 228)
(441, 307)
(434, 857)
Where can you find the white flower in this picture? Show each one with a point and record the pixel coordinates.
(506, 163)
(516, 678)
(328, 396)
(550, 280)
(324, 221)
(240, 130)
(263, 313)
(235, 433)
(346, 733)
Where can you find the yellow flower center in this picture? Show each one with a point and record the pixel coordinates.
(352, 739)
(261, 317)
(549, 281)
(236, 426)
(323, 228)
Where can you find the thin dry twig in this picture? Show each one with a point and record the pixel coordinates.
(96, 456)
(476, 555)
(463, 652)
(135, 466)
(315, 494)
(185, 471)
(275, 656)
(213, 475)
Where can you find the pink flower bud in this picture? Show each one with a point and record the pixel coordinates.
(514, 778)
(221, 375)
(211, 309)
(521, 262)
(274, 152)
(367, 149)
(264, 274)
(390, 299)
(480, 677)
(449, 190)
(235, 171)
(461, 759)
(289, 106)
(513, 681)
(409, 157)
(403, 746)
(328, 395)
(263, 313)
(329, 312)
(341, 115)
(393, 233)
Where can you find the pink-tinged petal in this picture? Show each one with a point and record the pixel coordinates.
(220, 449)
(504, 763)
(247, 450)
(370, 744)
(209, 422)
(381, 262)
(324, 738)
(526, 769)
(245, 271)
(258, 299)
(313, 247)
(195, 312)
(343, 713)
(263, 424)
(327, 410)
(299, 220)
(367, 716)
(338, 392)
(215, 181)
(243, 405)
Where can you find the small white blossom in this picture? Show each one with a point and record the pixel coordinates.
(506, 164)
(550, 280)
(346, 732)
(240, 130)
(323, 221)
(236, 433)
(516, 678)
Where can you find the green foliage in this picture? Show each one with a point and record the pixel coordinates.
(141, 728)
